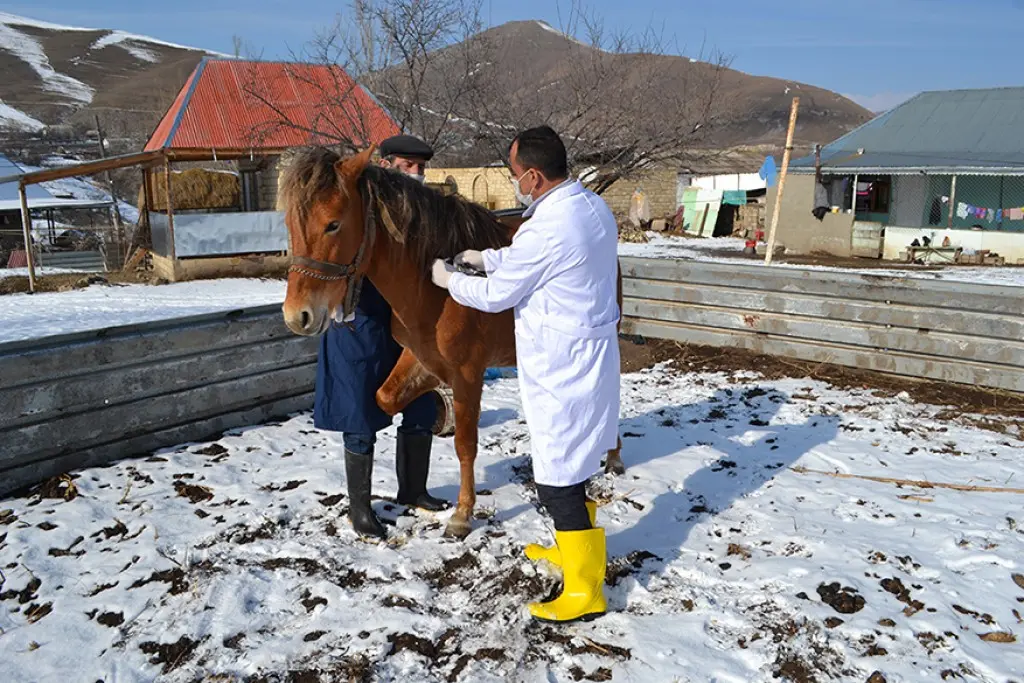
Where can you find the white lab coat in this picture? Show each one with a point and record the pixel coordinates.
(559, 275)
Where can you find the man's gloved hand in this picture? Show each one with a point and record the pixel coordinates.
(471, 258)
(441, 273)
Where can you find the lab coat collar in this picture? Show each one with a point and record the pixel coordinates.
(567, 188)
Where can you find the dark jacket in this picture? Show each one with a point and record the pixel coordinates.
(351, 367)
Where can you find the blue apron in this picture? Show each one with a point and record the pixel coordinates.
(352, 366)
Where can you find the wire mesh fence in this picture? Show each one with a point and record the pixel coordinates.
(73, 239)
(75, 226)
(961, 202)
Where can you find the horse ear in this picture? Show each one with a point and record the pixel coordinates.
(353, 166)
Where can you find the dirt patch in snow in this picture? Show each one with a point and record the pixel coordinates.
(170, 655)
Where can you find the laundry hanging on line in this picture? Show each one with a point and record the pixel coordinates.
(965, 211)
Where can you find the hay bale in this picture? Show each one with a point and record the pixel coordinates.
(196, 188)
(629, 233)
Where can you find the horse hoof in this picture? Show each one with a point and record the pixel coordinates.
(457, 529)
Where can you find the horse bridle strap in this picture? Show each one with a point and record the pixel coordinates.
(321, 270)
(333, 272)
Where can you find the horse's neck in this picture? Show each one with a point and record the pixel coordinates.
(396, 276)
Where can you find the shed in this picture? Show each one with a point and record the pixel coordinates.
(248, 112)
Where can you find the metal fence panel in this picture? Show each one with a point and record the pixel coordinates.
(852, 286)
(89, 398)
(940, 330)
(993, 326)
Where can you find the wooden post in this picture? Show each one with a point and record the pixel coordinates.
(782, 181)
(26, 229)
(703, 219)
(170, 211)
(118, 228)
(952, 204)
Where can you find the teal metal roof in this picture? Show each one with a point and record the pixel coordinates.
(952, 131)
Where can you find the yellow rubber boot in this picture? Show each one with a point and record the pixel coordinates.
(538, 552)
(584, 557)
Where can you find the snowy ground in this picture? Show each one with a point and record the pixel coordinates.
(234, 561)
(23, 272)
(27, 316)
(709, 249)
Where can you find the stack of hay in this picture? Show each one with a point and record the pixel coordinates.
(196, 188)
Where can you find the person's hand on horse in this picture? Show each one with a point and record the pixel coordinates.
(441, 273)
(472, 258)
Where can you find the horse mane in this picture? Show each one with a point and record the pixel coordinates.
(433, 225)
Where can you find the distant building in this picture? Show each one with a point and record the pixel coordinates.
(944, 168)
(249, 113)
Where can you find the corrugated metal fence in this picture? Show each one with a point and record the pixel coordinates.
(939, 330)
(90, 398)
(73, 260)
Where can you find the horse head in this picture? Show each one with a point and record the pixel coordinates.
(329, 238)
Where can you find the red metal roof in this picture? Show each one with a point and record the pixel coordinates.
(238, 104)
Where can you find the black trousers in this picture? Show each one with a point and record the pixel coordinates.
(566, 505)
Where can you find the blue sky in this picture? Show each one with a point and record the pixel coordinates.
(877, 51)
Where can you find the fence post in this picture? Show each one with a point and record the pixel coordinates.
(782, 181)
(172, 251)
(952, 204)
(26, 228)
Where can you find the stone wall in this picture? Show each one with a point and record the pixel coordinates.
(491, 187)
(661, 187)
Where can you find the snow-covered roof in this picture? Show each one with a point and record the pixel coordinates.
(36, 195)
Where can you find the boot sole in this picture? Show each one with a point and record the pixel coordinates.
(585, 618)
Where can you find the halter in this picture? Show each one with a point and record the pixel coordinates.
(349, 272)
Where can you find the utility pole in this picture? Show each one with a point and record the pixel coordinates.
(118, 227)
(782, 182)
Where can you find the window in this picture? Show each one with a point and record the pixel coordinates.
(873, 195)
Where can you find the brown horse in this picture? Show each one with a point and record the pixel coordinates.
(348, 219)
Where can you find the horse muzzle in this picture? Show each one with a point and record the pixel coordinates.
(306, 320)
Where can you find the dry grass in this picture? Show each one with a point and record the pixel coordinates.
(196, 188)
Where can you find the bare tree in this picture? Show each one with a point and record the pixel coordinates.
(418, 58)
(621, 101)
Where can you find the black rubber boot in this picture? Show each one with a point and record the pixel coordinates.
(412, 463)
(359, 471)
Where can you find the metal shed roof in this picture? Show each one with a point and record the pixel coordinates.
(953, 131)
(9, 190)
(239, 104)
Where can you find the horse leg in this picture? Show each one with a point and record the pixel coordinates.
(408, 381)
(613, 463)
(467, 419)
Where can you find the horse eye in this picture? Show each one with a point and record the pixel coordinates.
(332, 227)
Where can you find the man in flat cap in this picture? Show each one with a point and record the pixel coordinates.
(407, 154)
(354, 361)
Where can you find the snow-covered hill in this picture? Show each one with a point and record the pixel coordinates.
(56, 74)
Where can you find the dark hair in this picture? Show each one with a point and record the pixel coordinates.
(542, 149)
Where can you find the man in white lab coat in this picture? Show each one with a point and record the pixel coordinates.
(559, 275)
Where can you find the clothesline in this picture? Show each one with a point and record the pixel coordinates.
(965, 210)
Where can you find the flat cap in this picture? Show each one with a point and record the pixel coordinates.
(407, 146)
